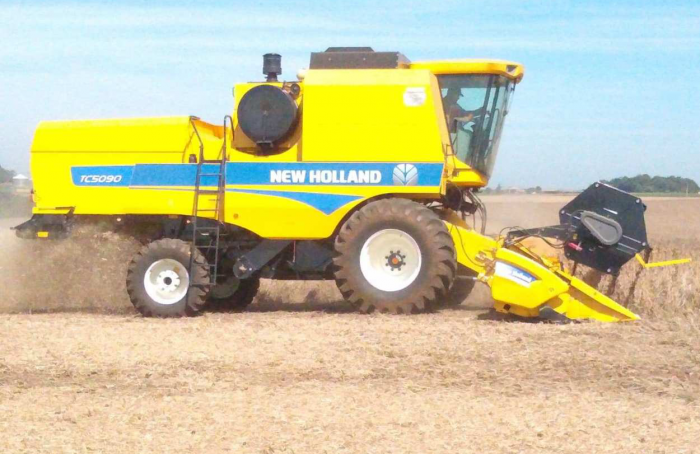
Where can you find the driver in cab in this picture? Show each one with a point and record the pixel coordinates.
(454, 111)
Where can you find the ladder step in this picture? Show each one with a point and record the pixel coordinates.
(207, 238)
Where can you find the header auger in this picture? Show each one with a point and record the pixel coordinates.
(363, 170)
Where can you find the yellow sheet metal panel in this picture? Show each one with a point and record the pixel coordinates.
(511, 70)
(522, 286)
(294, 212)
(54, 185)
(371, 115)
(275, 215)
(112, 147)
(273, 198)
(462, 174)
(474, 251)
(520, 281)
(577, 307)
(597, 305)
(130, 135)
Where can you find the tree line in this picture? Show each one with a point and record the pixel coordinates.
(6, 175)
(645, 183)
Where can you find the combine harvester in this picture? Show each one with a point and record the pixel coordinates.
(365, 170)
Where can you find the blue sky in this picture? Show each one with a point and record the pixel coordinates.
(610, 87)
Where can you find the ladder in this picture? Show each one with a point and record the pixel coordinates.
(207, 221)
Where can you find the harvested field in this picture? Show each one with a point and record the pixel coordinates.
(301, 373)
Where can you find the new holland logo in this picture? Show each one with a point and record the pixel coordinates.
(405, 175)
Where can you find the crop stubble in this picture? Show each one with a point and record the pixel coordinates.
(300, 372)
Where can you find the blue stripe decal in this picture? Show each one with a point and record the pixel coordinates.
(326, 203)
(264, 173)
(334, 173)
(173, 175)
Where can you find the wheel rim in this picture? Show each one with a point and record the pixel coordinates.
(390, 260)
(166, 281)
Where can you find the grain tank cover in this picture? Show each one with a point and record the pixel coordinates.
(357, 58)
(266, 114)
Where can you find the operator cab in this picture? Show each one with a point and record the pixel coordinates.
(476, 96)
(475, 107)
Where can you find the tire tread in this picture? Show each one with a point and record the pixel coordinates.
(442, 269)
(166, 248)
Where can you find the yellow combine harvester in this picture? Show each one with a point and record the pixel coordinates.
(365, 170)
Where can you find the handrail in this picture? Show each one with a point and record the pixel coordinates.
(201, 143)
(229, 120)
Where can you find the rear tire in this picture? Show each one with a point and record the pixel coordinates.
(394, 256)
(158, 279)
(233, 294)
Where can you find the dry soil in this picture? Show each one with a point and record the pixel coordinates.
(301, 373)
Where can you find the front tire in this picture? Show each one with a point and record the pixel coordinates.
(394, 256)
(461, 288)
(158, 280)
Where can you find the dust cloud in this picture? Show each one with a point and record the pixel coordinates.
(86, 273)
(82, 274)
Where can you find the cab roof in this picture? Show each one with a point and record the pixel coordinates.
(511, 70)
(368, 58)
